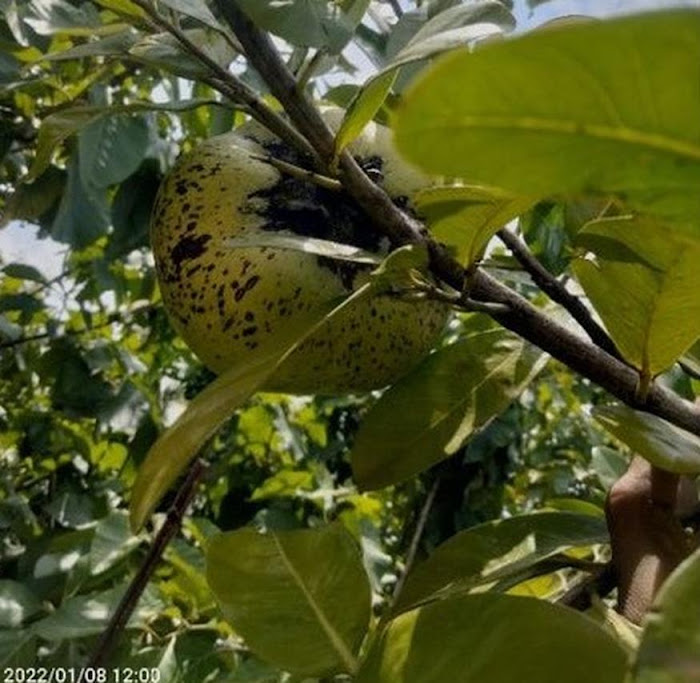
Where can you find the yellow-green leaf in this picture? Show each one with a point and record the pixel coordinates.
(492, 638)
(597, 107)
(300, 598)
(660, 442)
(644, 285)
(429, 413)
(467, 216)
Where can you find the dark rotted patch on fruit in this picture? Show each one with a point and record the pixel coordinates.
(306, 209)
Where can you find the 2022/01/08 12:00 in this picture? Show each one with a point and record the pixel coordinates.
(80, 675)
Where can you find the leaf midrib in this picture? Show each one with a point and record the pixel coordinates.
(535, 124)
(335, 639)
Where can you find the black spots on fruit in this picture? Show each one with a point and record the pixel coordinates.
(186, 249)
(246, 287)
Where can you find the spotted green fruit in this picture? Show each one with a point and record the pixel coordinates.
(230, 303)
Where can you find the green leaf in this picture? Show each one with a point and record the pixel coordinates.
(26, 303)
(300, 598)
(466, 217)
(545, 113)
(17, 604)
(284, 483)
(82, 216)
(197, 10)
(131, 210)
(56, 16)
(125, 7)
(112, 542)
(88, 615)
(691, 359)
(57, 127)
(310, 23)
(608, 465)
(110, 46)
(643, 284)
(493, 638)
(178, 445)
(429, 414)
(669, 651)
(111, 148)
(661, 443)
(22, 271)
(75, 389)
(497, 550)
(363, 107)
(163, 51)
(18, 647)
(34, 201)
(455, 27)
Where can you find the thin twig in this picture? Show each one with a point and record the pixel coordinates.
(309, 69)
(230, 86)
(415, 540)
(138, 584)
(300, 173)
(517, 314)
(398, 10)
(557, 292)
(599, 582)
(111, 319)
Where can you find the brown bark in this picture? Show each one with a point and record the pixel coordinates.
(644, 511)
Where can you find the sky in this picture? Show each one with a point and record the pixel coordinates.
(18, 242)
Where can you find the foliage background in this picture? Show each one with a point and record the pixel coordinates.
(91, 372)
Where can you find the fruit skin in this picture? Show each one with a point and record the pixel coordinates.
(232, 304)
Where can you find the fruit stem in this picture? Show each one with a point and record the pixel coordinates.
(300, 173)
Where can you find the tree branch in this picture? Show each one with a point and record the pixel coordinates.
(128, 603)
(583, 357)
(520, 316)
(230, 86)
(557, 292)
(111, 318)
(415, 539)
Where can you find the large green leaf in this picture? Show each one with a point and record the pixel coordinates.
(429, 414)
(300, 598)
(643, 284)
(198, 10)
(311, 23)
(669, 651)
(492, 638)
(57, 127)
(112, 542)
(588, 107)
(17, 604)
(454, 27)
(497, 550)
(164, 51)
(660, 442)
(111, 46)
(83, 215)
(467, 216)
(86, 615)
(111, 148)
